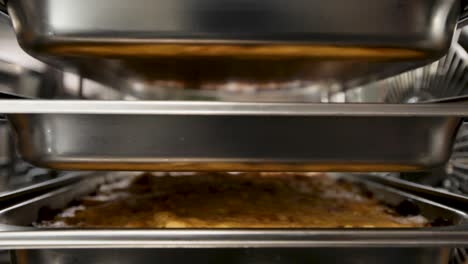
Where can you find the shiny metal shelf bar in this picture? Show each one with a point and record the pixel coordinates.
(228, 238)
(228, 108)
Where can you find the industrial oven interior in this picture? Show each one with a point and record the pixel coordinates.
(233, 131)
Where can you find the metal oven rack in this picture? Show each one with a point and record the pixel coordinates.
(148, 135)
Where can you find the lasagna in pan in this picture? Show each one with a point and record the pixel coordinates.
(231, 200)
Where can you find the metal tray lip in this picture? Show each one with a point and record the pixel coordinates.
(12, 237)
(427, 189)
(210, 108)
(222, 239)
(293, 39)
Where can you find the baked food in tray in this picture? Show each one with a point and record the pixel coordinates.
(230, 200)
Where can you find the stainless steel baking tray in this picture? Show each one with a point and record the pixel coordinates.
(199, 43)
(187, 136)
(422, 25)
(418, 245)
(440, 195)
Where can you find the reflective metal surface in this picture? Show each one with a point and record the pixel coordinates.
(458, 256)
(232, 136)
(440, 195)
(204, 43)
(10, 50)
(206, 108)
(179, 19)
(447, 77)
(425, 25)
(8, 197)
(15, 79)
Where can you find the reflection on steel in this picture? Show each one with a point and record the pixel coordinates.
(139, 135)
(447, 77)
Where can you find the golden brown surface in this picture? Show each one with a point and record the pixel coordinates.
(215, 200)
(232, 166)
(197, 65)
(236, 50)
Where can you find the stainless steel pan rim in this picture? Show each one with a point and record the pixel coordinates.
(237, 239)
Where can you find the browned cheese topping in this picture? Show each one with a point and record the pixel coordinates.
(223, 200)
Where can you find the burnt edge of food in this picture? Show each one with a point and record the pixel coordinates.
(46, 213)
(410, 208)
(441, 221)
(365, 190)
(407, 208)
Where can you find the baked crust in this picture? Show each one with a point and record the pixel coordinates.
(223, 200)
